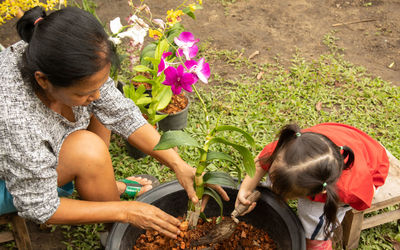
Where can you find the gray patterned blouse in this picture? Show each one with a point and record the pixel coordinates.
(31, 135)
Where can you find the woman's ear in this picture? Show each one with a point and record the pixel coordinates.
(41, 79)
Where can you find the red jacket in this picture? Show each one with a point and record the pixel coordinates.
(370, 167)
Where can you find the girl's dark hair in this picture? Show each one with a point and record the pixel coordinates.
(305, 162)
(67, 45)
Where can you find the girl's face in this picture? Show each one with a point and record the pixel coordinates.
(82, 93)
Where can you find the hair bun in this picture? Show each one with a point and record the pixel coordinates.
(26, 25)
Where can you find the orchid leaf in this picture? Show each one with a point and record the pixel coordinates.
(219, 178)
(158, 118)
(213, 155)
(204, 217)
(140, 78)
(147, 51)
(188, 12)
(175, 31)
(212, 193)
(163, 97)
(161, 48)
(248, 159)
(141, 68)
(175, 138)
(246, 135)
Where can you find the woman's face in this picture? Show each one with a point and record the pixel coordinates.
(81, 93)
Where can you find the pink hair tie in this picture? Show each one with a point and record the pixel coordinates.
(38, 20)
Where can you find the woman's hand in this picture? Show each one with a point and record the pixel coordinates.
(185, 176)
(146, 216)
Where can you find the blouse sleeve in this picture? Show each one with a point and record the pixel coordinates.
(116, 112)
(30, 169)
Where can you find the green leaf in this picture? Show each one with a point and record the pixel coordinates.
(147, 51)
(246, 135)
(141, 68)
(175, 138)
(175, 31)
(163, 98)
(188, 12)
(158, 118)
(212, 193)
(213, 155)
(248, 159)
(204, 217)
(219, 178)
(162, 47)
(140, 78)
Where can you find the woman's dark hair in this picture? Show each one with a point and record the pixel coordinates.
(67, 45)
(306, 161)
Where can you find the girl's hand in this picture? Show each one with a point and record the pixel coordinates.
(242, 199)
(146, 216)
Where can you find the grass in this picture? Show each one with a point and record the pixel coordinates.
(261, 98)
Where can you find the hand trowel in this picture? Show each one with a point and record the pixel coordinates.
(225, 229)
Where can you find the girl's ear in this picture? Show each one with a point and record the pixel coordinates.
(42, 80)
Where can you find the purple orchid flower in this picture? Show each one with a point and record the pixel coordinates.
(163, 64)
(187, 45)
(201, 69)
(178, 79)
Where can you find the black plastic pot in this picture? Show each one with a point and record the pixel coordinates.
(134, 152)
(175, 121)
(270, 214)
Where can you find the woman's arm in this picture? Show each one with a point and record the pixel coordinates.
(146, 138)
(139, 214)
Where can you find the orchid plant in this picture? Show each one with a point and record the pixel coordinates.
(149, 65)
(182, 76)
(169, 64)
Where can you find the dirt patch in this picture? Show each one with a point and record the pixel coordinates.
(278, 28)
(367, 30)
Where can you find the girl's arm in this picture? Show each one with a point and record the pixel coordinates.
(248, 185)
(139, 214)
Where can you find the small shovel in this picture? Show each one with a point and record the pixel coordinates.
(225, 229)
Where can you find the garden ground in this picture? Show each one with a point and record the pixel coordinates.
(266, 32)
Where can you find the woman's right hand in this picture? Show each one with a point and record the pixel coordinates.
(146, 216)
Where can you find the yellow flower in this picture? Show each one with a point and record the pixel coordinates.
(155, 34)
(174, 16)
(200, 2)
(192, 7)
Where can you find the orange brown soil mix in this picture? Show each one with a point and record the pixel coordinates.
(245, 237)
(178, 103)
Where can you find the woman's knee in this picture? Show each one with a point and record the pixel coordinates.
(82, 150)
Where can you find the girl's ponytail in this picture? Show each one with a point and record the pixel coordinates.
(26, 25)
(330, 208)
(349, 154)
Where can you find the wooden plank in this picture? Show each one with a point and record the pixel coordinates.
(21, 233)
(6, 236)
(352, 224)
(380, 219)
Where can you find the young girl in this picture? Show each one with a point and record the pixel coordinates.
(330, 168)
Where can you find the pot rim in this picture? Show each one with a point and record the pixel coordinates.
(179, 112)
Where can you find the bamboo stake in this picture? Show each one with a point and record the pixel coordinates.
(353, 22)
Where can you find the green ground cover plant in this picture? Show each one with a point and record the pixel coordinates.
(260, 98)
